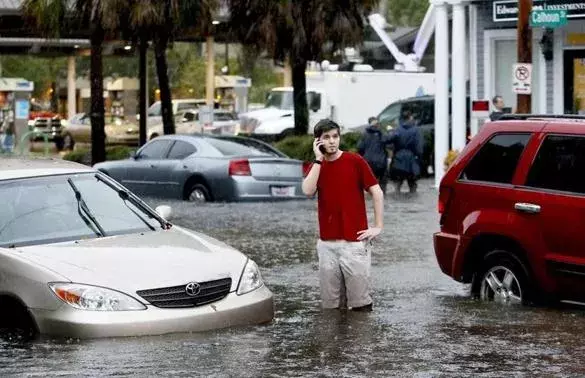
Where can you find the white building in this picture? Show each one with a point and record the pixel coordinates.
(480, 46)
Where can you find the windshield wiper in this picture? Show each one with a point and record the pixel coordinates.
(127, 196)
(81, 205)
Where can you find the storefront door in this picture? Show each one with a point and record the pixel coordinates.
(574, 71)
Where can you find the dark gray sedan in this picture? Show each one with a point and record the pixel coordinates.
(209, 168)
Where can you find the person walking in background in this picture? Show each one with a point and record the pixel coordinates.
(7, 130)
(498, 102)
(372, 147)
(339, 179)
(407, 144)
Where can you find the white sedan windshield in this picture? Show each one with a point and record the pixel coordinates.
(68, 207)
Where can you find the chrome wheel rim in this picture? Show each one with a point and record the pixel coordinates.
(197, 195)
(501, 285)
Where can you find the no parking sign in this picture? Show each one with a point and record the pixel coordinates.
(522, 78)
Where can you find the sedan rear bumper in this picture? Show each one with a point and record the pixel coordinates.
(253, 308)
(249, 189)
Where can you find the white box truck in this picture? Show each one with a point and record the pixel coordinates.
(347, 97)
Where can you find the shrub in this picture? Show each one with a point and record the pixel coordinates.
(450, 158)
(83, 155)
(301, 146)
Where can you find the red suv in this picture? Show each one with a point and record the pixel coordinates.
(512, 210)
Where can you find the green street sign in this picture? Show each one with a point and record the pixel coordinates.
(548, 18)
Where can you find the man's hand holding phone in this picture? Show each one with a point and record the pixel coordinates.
(318, 148)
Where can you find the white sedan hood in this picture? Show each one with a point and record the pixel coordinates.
(141, 261)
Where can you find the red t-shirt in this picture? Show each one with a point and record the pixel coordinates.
(340, 188)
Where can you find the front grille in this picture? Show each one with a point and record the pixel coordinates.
(176, 296)
(45, 122)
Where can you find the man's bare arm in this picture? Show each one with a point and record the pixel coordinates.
(378, 198)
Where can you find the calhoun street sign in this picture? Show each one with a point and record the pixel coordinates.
(548, 18)
(507, 10)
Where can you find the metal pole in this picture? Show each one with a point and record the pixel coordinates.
(210, 82)
(458, 78)
(441, 89)
(524, 101)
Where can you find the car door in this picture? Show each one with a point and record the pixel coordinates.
(172, 170)
(188, 123)
(145, 173)
(553, 195)
(80, 128)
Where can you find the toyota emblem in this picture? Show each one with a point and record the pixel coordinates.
(192, 289)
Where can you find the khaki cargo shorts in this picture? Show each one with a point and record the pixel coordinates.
(344, 273)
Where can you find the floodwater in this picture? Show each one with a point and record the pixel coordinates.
(424, 324)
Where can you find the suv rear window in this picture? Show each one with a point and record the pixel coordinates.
(559, 164)
(496, 161)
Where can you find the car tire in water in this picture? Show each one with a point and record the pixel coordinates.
(198, 193)
(502, 278)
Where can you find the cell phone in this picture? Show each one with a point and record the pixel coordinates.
(322, 149)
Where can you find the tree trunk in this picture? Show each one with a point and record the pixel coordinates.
(300, 96)
(98, 137)
(160, 50)
(142, 105)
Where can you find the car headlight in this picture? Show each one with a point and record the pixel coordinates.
(94, 298)
(251, 278)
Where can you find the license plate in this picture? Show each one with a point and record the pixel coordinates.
(283, 191)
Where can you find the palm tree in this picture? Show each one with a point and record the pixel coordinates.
(160, 21)
(299, 29)
(54, 17)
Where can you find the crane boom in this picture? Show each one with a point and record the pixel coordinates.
(410, 62)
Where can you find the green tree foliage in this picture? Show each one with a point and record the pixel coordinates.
(406, 12)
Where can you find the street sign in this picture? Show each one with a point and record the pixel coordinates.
(522, 78)
(549, 18)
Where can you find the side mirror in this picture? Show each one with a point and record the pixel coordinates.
(164, 211)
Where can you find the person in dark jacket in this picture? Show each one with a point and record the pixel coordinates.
(408, 149)
(498, 102)
(372, 146)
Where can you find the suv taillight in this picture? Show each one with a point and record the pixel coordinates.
(240, 168)
(444, 197)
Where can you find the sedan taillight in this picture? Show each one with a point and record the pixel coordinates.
(240, 168)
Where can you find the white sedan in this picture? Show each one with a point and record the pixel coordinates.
(81, 256)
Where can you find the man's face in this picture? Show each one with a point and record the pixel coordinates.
(500, 103)
(331, 142)
(374, 122)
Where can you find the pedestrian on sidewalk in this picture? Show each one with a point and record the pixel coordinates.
(407, 144)
(373, 147)
(7, 130)
(340, 179)
(498, 102)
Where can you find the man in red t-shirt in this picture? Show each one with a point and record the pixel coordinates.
(340, 179)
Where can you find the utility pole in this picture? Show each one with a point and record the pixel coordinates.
(524, 101)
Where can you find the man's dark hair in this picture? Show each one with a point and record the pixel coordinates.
(324, 126)
(372, 119)
(495, 99)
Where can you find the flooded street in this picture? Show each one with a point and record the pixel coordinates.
(423, 323)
